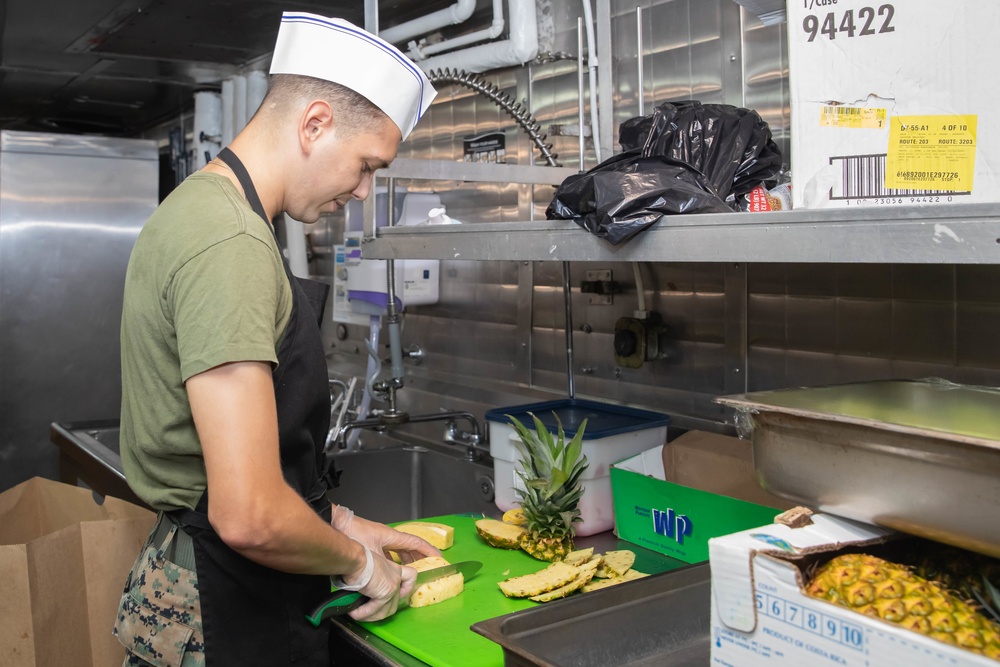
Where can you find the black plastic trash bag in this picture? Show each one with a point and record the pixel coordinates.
(729, 145)
(628, 193)
(684, 158)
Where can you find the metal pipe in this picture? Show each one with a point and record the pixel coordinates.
(579, 83)
(640, 92)
(459, 12)
(393, 319)
(568, 301)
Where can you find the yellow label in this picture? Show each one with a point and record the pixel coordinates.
(931, 153)
(852, 117)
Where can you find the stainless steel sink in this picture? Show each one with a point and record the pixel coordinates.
(388, 481)
(402, 481)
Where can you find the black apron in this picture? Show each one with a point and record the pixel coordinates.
(251, 614)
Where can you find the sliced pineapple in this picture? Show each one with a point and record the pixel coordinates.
(555, 575)
(500, 534)
(438, 534)
(573, 586)
(428, 563)
(515, 516)
(616, 564)
(438, 590)
(597, 584)
(592, 563)
(578, 557)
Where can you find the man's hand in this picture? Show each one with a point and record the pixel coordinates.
(389, 584)
(380, 538)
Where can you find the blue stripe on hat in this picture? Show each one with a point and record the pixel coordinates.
(368, 37)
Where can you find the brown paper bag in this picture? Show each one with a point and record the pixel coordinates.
(63, 563)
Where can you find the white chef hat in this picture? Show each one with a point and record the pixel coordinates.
(335, 50)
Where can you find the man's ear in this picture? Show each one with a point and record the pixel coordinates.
(317, 120)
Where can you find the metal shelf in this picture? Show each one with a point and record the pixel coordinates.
(932, 234)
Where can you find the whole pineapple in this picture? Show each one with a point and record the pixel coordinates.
(551, 469)
(893, 593)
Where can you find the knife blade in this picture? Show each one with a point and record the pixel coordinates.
(342, 602)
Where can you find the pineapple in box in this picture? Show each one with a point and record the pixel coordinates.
(893, 593)
(551, 470)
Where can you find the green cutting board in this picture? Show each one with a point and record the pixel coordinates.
(439, 634)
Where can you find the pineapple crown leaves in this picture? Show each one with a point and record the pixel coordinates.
(550, 464)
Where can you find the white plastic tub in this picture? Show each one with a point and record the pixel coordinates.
(613, 433)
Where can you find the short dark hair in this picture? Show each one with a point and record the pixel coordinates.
(354, 112)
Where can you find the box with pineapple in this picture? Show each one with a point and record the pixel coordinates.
(838, 592)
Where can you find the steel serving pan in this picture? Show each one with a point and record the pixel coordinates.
(922, 457)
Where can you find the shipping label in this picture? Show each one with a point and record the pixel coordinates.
(852, 117)
(931, 152)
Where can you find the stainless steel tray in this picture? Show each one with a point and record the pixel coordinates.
(661, 621)
(922, 457)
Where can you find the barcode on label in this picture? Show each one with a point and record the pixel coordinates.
(863, 177)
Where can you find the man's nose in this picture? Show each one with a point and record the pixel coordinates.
(364, 187)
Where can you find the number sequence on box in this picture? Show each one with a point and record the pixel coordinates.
(835, 629)
(865, 22)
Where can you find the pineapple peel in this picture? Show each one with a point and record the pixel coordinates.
(577, 573)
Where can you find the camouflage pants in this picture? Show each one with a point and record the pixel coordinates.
(159, 618)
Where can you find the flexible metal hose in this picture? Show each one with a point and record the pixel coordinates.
(511, 107)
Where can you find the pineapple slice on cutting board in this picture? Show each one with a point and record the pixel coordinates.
(438, 534)
(580, 557)
(438, 590)
(616, 564)
(554, 576)
(597, 584)
(500, 534)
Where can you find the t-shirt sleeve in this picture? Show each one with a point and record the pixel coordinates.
(224, 303)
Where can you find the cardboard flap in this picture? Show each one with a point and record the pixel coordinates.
(719, 464)
(732, 559)
(648, 463)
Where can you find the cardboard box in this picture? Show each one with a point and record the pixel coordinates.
(891, 104)
(63, 563)
(760, 616)
(673, 498)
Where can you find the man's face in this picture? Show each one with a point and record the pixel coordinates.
(342, 168)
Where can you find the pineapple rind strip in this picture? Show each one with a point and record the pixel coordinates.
(598, 584)
(579, 557)
(616, 563)
(555, 575)
(563, 591)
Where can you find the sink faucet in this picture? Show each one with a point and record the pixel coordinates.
(470, 440)
(386, 420)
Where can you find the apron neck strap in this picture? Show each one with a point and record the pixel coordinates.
(249, 191)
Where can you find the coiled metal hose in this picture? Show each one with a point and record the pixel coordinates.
(507, 103)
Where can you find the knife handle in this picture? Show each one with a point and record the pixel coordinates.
(339, 603)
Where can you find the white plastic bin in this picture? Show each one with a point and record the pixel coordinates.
(613, 433)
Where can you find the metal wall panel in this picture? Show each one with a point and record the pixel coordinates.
(70, 210)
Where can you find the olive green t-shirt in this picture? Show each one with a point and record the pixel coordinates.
(205, 286)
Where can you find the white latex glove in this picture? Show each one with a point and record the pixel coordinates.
(381, 538)
(385, 583)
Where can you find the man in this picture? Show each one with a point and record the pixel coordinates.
(225, 401)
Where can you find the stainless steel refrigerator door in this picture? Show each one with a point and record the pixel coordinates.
(71, 208)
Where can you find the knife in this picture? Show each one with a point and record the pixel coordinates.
(342, 602)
